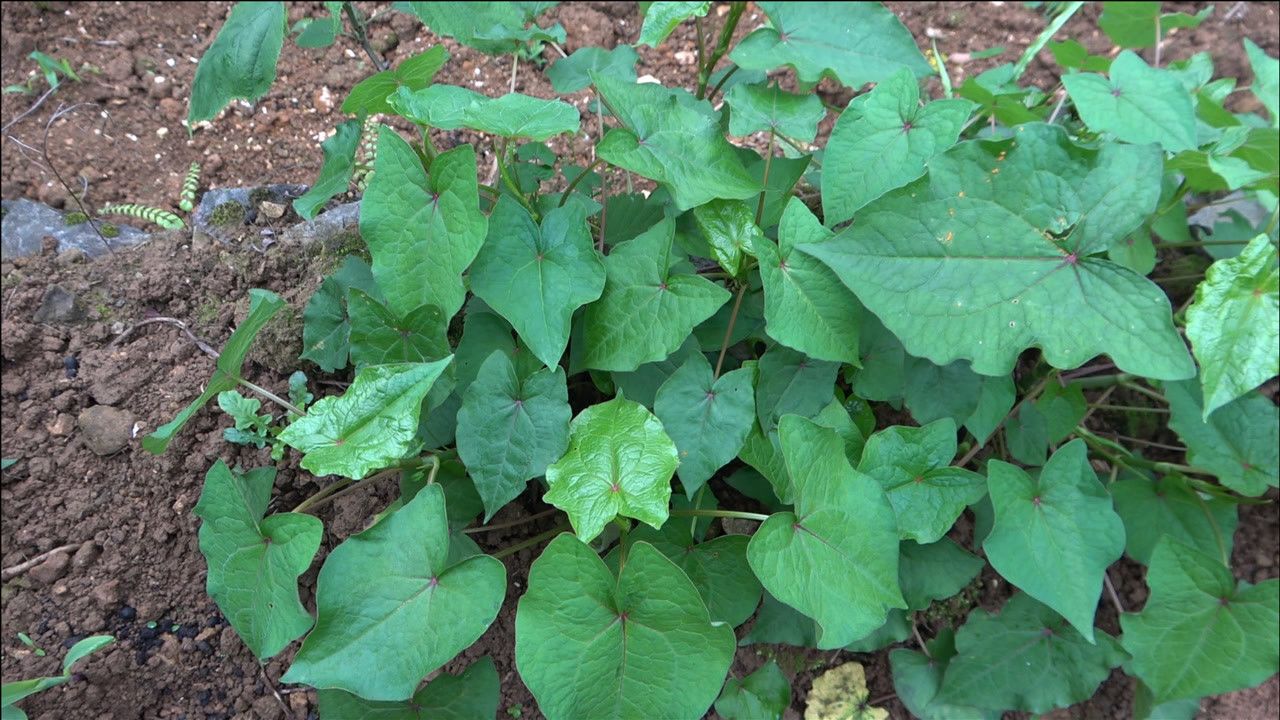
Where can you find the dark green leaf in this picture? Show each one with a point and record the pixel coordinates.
(473, 695)
(241, 62)
(707, 417)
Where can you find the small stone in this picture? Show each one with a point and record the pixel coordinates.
(105, 429)
(62, 425)
(107, 595)
(684, 57)
(266, 708)
(59, 306)
(53, 568)
(72, 256)
(86, 555)
(128, 37)
(272, 210)
(323, 100)
(386, 43)
(298, 703)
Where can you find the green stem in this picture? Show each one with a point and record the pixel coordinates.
(728, 331)
(703, 72)
(698, 512)
(510, 524)
(711, 95)
(1101, 446)
(1043, 39)
(321, 494)
(272, 397)
(509, 180)
(768, 161)
(358, 27)
(799, 148)
(1101, 381)
(1126, 384)
(1179, 278)
(1201, 243)
(1130, 408)
(722, 46)
(535, 540)
(573, 185)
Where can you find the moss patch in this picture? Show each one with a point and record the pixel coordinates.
(227, 214)
(108, 230)
(74, 218)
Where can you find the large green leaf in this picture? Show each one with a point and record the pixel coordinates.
(1240, 442)
(806, 307)
(536, 277)
(490, 27)
(638, 646)
(763, 695)
(510, 428)
(388, 599)
(573, 73)
(835, 558)
(1168, 506)
(1266, 79)
(254, 562)
(619, 462)
(1025, 657)
(1234, 324)
(369, 96)
(1138, 104)
(449, 107)
(964, 264)
(473, 695)
(647, 310)
(370, 426)
(241, 62)
(883, 141)
(707, 417)
(1055, 535)
(423, 231)
(263, 305)
(855, 43)
(935, 571)
(769, 108)
(662, 17)
(326, 328)
(917, 678)
(673, 143)
(378, 337)
(335, 174)
(913, 465)
(1200, 632)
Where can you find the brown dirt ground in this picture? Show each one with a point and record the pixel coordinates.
(139, 563)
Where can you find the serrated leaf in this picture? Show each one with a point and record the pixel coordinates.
(1234, 324)
(326, 329)
(640, 645)
(769, 108)
(841, 693)
(449, 107)
(646, 310)
(263, 305)
(673, 143)
(763, 695)
(806, 307)
(370, 426)
(388, 596)
(935, 571)
(1025, 658)
(1151, 510)
(1201, 633)
(511, 428)
(536, 277)
(254, 562)
(573, 73)
(423, 231)
(856, 43)
(835, 558)
(473, 695)
(883, 140)
(963, 263)
(335, 173)
(731, 232)
(369, 96)
(662, 17)
(708, 418)
(1137, 103)
(619, 462)
(1054, 535)
(913, 465)
(378, 337)
(1239, 443)
(241, 62)
(917, 678)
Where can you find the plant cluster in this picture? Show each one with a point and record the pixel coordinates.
(639, 360)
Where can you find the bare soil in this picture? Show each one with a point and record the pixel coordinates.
(136, 571)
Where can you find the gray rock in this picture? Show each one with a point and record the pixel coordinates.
(51, 570)
(329, 229)
(86, 555)
(105, 429)
(249, 198)
(59, 306)
(26, 223)
(107, 595)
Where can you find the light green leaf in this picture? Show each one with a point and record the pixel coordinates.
(449, 107)
(661, 18)
(883, 141)
(1200, 632)
(1152, 509)
(473, 695)
(673, 143)
(1025, 657)
(369, 96)
(388, 599)
(619, 462)
(241, 62)
(731, 232)
(964, 263)
(335, 174)
(254, 562)
(12, 692)
(1266, 79)
(769, 108)
(422, 231)
(835, 558)
(806, 307)
(536, 277)
(573, 73)
(855, 43)
(935, 571)
(638, 646)
(510, 428)
(1055, 535)
(326, 329)
(913, 465)
(1234, 324)
(1138, 104)
(263, 304)
(1239, 443)
(646, 311)
(917, 678)
(378, 337)
(370, 426)
(707, 417)
(763, 695)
